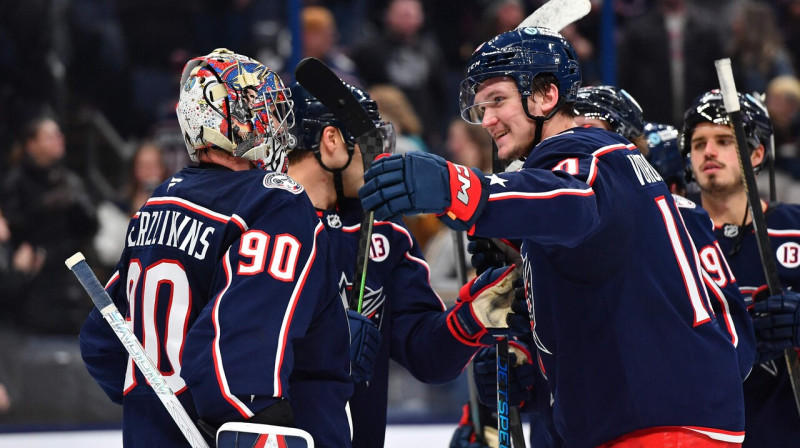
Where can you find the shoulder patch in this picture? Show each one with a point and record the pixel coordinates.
(282, 181)
(682, 202)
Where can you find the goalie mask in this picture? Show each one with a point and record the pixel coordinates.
(710, 108)
(233, 103)
(521, 54)
(664, 154)
(614, 106)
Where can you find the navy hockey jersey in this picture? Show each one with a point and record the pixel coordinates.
(399, 299)
(726, 299)
(226, 281)
(623, 325)
(771, 416)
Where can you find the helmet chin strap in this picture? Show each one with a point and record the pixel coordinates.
(537, 137)
(338, 184)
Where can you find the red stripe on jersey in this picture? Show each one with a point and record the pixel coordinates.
(542, 195)
(292, 306)
(608, 149)
(726, 311)
(189, 206)
(261, 441)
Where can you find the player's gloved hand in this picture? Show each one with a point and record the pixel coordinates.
(419, 182)
(520, 377)
(365, 341)
(492, 253)
(464, 435)
(776, 321)
(483, 303)
(519, 321)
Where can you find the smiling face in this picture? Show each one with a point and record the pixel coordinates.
(715, 162)
(498, 101)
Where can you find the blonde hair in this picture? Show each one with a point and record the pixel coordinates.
(394, 106)
(316, 18)
(785, 85)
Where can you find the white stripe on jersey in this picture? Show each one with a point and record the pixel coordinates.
(220, 366)
(287, 315)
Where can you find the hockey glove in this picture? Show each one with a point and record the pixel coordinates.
(492, 253)
(365, 341)
(777, 324)
(423, 183)
(520, 377)
(483, 303)
(464, 435)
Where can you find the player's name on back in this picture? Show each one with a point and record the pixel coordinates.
(644, 171)
(171, 228)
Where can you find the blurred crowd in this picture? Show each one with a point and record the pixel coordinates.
(90, 86)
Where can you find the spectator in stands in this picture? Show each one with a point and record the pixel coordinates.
(783, 105)
(666, 58)
(757, 52)
(396, 108)
(320, 36)
(407, 57)
(147, 169)
(48, 208)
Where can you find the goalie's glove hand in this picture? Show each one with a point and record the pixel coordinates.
(464, 435)
(521, 376)
(365, 342)
(776, 321)
(492, 253)
(485, 302)
(419, 182)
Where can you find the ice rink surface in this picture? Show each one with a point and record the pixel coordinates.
(397, 436)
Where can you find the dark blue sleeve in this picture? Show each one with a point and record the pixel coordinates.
(421, 340)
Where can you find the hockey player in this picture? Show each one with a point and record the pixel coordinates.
(770, 413)
(226, 278)
(434, 344)
(611, 274)
(610, 108)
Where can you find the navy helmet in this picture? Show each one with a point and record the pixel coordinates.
(614, 106)
(521, 54)
(664, 152)
(710, 108)
(311, 117)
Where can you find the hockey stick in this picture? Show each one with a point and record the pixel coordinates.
(731, 101)
(331, 91)
(77, 264)
(474, 404)
(506, 413)
(556, 14)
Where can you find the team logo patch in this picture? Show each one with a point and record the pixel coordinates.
(373, 299)
(788, 255)
(334, 221)
(730, 230)
(282, 181)
(682, 202)
(379, 250)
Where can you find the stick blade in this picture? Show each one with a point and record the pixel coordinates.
(557, 14)
(330, 90)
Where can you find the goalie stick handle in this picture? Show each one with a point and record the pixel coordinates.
(731, 101)
(77, 264)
